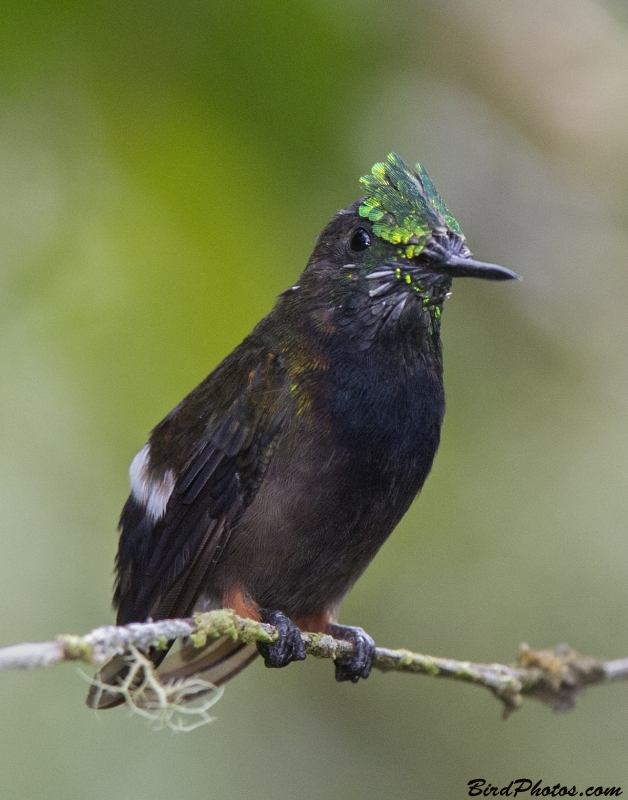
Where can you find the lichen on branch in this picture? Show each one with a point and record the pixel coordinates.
(555, 677)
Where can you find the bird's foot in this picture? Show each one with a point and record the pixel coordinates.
(358, 664)
(288, 647)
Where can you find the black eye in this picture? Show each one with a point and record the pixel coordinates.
(360, 240)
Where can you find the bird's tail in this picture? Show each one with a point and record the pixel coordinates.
(217, 662)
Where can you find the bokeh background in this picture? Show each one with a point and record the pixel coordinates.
(165, 168)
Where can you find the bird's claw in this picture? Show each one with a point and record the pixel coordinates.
(288, 647)
(359, 664)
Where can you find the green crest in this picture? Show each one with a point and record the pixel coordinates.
(404, 206)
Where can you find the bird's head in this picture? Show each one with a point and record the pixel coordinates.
(410, 222)
(394, 250)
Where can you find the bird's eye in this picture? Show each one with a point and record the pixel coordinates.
(360, 240)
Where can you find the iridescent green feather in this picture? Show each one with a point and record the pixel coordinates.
(436, 200)
(404, 206)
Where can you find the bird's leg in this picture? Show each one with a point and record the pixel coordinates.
(358, 665)
(288, 647)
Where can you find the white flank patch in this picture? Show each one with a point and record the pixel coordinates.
(152, 493)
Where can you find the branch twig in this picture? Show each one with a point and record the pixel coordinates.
(555, 677)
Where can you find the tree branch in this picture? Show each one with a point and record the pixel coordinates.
(555, 677)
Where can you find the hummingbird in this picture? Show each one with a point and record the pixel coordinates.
(273, 484)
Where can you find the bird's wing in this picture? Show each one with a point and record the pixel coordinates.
(210, 454)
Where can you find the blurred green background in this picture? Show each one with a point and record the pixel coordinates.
(149, 153)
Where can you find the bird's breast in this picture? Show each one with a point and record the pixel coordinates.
(384, 402)
(347, 465)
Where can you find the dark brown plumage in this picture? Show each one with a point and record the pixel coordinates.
(271, 487)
